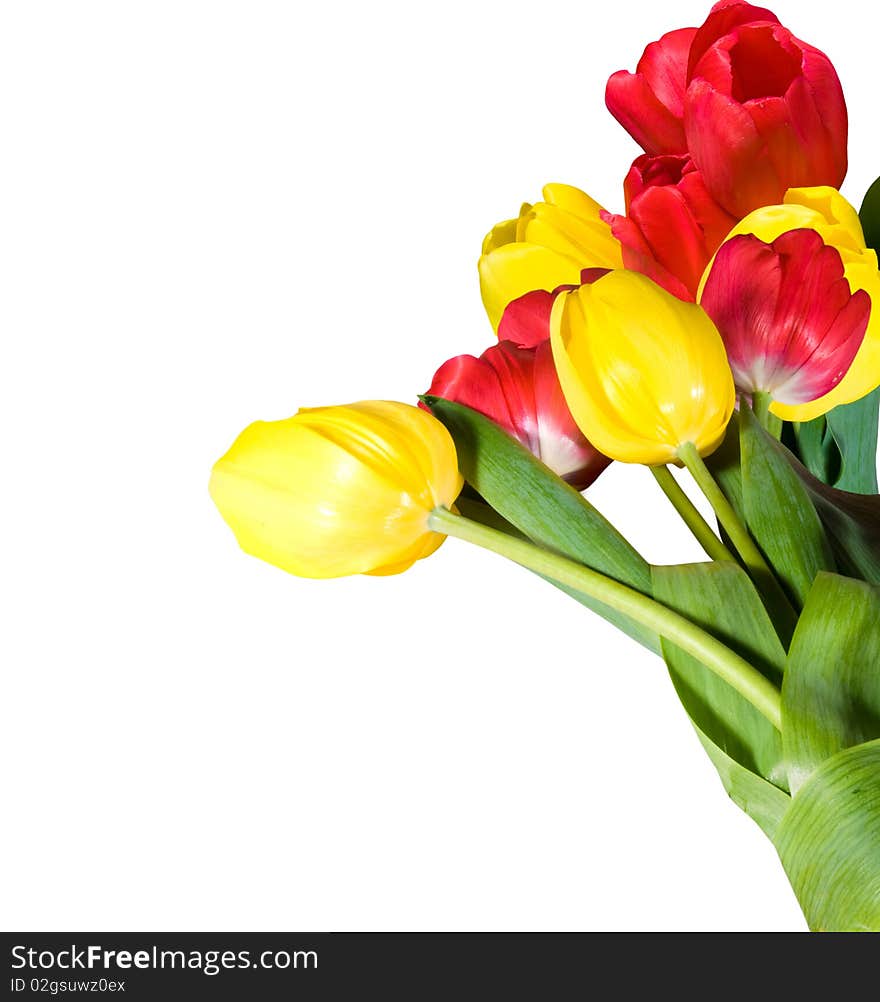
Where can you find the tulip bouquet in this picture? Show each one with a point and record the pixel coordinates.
(727, 322)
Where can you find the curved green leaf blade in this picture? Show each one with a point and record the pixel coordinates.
(816, 448)
(831, 692)
(829, 842)
(764, 803)
(854, 427)
(779, 512)
(852, 524)
(542, 506)
(723, 601)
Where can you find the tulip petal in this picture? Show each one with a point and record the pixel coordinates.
(723, 19)
(729, 151)
(629, 98)
(649, 102)
(515, 269)
(526, 321)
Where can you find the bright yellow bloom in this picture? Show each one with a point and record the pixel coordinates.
(827, 212)
(643, 372)
(339, 490)
(548, 245)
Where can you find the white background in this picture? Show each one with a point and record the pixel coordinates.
(217, 212)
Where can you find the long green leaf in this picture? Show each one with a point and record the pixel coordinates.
(831, 692)
(829, 842)
(543, 506)
(722, 600)
(764, 803)
(724, 463)
(840, 448)
(852, 524)
(854, 427)
(779, 512)
(816, 448)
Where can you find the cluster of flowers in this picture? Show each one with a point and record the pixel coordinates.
(737, 267)
(730, 305)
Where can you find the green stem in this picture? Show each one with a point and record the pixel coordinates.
(769, 422)
(667, 623)
(759, 570)
(690, 515)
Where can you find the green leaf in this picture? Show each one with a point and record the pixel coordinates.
(723, 601)
(854, 427)
(870, 216)
(829, 842)
(764, 803)
(543, 507)
(725, 467)
(831, 692)
(852, 524)
(817, 449)
(778, 511)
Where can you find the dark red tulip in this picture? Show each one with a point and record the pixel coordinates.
(763, 111)
(672, 226)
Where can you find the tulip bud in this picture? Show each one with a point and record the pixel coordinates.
(547, 246)
(672, 225)
(338, 490)
(763, 111)
(518, 389)
(642, 372)
(828, 213)
(790, 323)
(649, 103)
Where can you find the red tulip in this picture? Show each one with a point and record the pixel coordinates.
(789, 321)
(672, 226)
(518, 389)
(763, 111)
(649, 103)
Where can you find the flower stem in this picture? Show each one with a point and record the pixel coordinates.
(769, 422)
(677, 629)
(691, 517)
(777, 601)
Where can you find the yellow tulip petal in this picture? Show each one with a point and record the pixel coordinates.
(832, 206)
(515, 269)
(589, 240)
(501, 234)
(572, 199)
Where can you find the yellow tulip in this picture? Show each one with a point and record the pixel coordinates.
(827, 212)
(339, 490)
(643, 372)
(548, 245)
